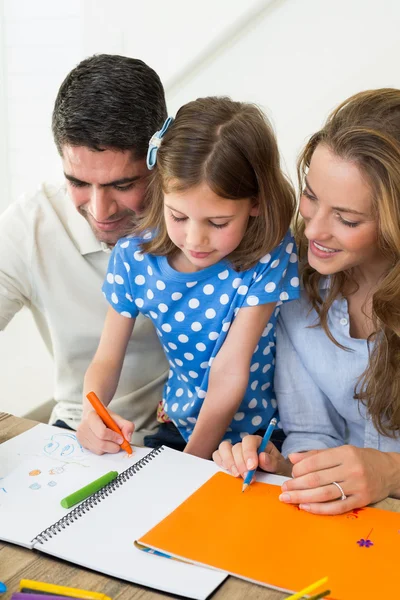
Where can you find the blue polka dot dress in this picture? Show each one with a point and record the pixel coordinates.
(192, 313)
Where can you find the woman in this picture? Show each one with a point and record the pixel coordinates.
(337, 378)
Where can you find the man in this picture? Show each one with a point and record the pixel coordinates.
(55, 246)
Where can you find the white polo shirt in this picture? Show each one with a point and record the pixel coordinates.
(51, 262)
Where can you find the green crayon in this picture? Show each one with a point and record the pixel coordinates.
(88, 490)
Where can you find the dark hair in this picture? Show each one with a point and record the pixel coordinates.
(232, 147)
(109, 101)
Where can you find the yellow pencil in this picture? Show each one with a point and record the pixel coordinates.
(309, 588)
(60, 590)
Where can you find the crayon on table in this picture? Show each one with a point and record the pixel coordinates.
(319, 596)
(308, 589)
(263, 445)
(32, 595)
(88, 490)
(42, 587)
(3, 587)
(107, 419)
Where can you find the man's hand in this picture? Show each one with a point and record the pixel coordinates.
(96, 437)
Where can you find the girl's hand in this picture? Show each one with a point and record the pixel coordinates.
(95, 436)
(365, 475)
(243, 457)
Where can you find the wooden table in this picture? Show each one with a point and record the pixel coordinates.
(19, 563)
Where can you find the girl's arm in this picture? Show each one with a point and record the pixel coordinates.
(229, 376)
(102, 378)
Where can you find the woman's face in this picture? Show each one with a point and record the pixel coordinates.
(336, 205)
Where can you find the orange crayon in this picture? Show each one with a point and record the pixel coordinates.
(107, 419)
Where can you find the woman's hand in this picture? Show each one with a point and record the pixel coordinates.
(364, 474)
(95, 436)
(243, 457)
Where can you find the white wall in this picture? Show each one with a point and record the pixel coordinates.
(297, 59)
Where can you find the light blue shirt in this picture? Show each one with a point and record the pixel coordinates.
(315, 380)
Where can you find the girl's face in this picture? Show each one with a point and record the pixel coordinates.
(205, 227)
(336, 206)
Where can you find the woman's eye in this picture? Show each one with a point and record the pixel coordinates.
(348, 223)
(308, 195)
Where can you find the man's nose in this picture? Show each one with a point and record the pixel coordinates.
(101, 204)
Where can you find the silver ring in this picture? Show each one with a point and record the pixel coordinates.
(343, 495)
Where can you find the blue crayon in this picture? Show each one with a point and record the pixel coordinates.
(3, 587)
(263, 445)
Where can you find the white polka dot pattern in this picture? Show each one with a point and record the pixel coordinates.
(193, 313)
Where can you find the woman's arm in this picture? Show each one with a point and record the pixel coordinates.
(102, 378)
(229, 376)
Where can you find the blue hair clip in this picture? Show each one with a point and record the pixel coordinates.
(155, 143)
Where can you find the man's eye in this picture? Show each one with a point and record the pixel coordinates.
(124, 188)
(77, 184)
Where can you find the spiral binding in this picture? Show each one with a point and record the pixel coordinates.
(93, 500)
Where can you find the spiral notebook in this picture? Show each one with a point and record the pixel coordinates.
(43, 465)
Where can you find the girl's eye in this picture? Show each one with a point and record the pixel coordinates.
(178, 219)
(218, 225)
(347, 223)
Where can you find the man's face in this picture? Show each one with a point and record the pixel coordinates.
(107, 188)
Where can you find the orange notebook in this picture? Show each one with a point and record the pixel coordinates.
(254, 536)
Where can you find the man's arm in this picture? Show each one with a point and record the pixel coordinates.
(15, 263)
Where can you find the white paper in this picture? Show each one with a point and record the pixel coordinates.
(44, 465)
(103, 539)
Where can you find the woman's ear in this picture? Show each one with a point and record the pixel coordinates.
(255, 209)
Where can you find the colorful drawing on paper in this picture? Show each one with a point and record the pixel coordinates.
(65, 446)
(35, 486)
(3, 489)
(354, 514)
(365, 542)
(52, 483)
(57, 470)
(34, 472)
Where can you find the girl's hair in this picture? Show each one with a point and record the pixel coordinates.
(231, 147)
(365, 129)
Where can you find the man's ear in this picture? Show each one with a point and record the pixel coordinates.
(255, 209)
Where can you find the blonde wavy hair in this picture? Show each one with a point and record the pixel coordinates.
(230, 146)
(365, 129)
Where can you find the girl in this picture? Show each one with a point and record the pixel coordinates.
(208, 264)
(340, 402)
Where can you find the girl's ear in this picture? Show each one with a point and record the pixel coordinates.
(255, 209)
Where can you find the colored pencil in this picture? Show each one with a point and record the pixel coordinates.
(60, 590)
(306, 590)
(33, 595)
(88, 490)
(107, 419)
(320, 595)
(263, 445)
